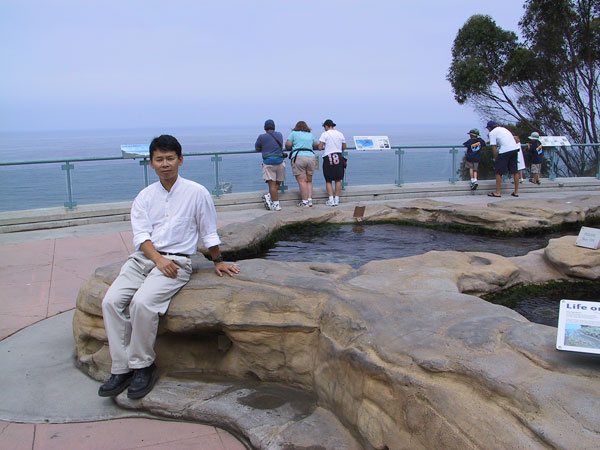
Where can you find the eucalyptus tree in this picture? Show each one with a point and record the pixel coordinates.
(549, 82)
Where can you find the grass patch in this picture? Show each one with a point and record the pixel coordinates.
(553, 290)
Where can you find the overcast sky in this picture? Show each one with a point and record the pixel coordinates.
(76, 64)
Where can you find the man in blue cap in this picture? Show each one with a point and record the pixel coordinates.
(505, 150)
(270, 143)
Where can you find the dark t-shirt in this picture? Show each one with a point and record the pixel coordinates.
(474, 148)
(267, 145)
(536, 152)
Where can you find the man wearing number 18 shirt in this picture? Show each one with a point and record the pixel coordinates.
(334, 143)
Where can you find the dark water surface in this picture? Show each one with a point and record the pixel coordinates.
(358, 244)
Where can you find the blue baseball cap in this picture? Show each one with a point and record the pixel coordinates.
(269, 125)
(491, 124)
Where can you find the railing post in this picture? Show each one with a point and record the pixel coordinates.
(453, 177)
(344, 183)
(217, 191)
(552, 151)
(69, 204)
(144, 163)
(399, 167)
(283, 187)
(597, 159)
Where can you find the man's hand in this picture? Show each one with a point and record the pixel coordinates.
(229, 269)
(167, 266)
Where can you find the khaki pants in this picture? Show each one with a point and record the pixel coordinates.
(131, 308)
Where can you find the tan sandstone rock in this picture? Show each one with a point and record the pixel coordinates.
(399, 354)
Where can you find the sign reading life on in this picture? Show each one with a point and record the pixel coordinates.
(136, 151)
(554, 141)
(578, 326)
(372, 142)
(588, 238)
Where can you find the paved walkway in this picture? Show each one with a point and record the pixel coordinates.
(40, 276)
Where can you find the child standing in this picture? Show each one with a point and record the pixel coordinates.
(536, 153)
(520, 160)
(474, 146)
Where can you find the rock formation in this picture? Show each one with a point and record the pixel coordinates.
(399, 354)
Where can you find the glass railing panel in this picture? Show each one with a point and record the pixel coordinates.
(199, 169)
(427, 165)
(108, 181)
(32, 186)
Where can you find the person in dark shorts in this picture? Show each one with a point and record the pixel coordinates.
(334, 144)
(474, 147)
(506, 151)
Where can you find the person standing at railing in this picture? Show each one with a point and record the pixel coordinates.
(270, 143)
(520, 159)
(167, 218)
(505, 151)
(301, 144)
(475, 146)
(334, 144)
(536, 154)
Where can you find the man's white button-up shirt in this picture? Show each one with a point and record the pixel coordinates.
(174, 220)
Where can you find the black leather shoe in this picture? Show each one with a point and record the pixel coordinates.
(142, 382)
(115, 384)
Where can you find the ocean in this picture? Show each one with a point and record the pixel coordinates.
(44, 185)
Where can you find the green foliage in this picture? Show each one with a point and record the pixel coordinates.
(480, 52)
(549, 83)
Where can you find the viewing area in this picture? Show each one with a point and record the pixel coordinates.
(397, 353)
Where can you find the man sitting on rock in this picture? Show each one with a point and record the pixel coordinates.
(167, 219)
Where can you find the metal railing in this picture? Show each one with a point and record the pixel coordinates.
(68, 165)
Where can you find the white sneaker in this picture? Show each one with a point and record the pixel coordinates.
(330, 203)
(302, 204)
(337, 202)
(310, 204)
(267, 201)
(275, 207)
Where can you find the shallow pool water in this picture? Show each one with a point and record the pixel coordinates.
(358, 244)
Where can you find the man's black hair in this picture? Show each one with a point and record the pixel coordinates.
(165, 143)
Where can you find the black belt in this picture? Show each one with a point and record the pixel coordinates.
(174, 254)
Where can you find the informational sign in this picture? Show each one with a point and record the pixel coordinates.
(371, 142)
(136, 150)
(578, 326)
(588, 238)
(554, 141)
(359, 212)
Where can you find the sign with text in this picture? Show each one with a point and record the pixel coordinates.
(554, 141)
(578, 326)
(372, 142)
(589, 238)
(135, 150)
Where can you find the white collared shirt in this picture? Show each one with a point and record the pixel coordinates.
(174, 220)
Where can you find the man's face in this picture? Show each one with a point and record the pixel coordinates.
(166, 164)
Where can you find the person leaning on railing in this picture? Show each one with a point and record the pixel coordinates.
(301, 143)
(270, 143)
(334, 143)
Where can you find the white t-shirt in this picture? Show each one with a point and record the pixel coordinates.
(503, 140)
(333, 141)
